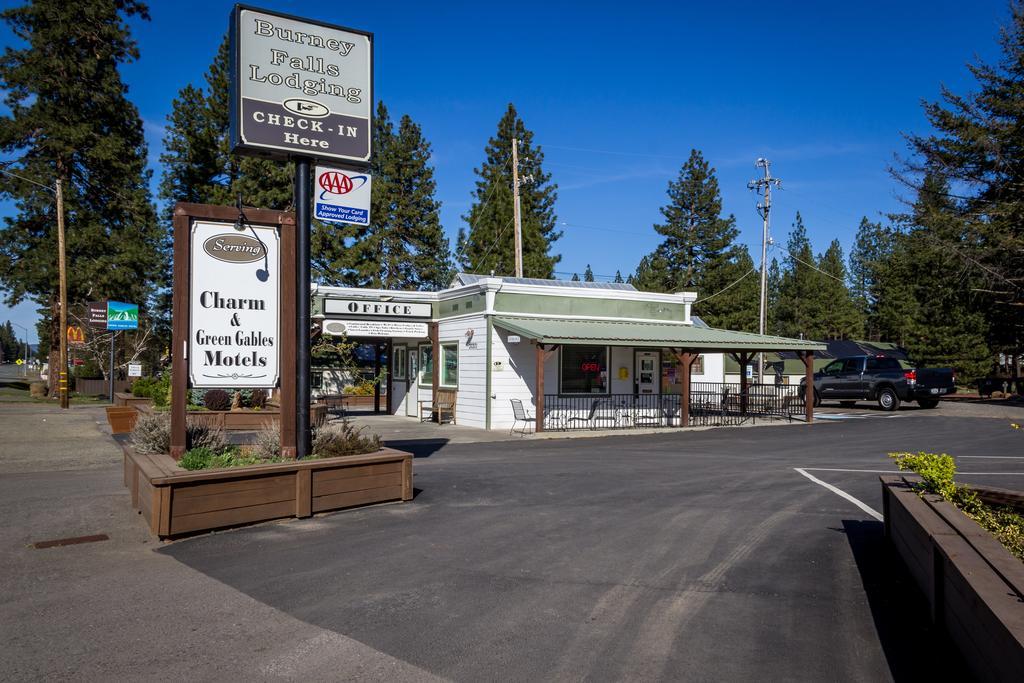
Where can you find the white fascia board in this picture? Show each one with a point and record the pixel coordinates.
(588, 293)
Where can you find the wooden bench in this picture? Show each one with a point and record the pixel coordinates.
(441, 404)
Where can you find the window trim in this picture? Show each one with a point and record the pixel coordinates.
(607, 364)
(420, 365)
(440, 378)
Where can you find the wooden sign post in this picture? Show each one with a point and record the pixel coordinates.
(268, 357)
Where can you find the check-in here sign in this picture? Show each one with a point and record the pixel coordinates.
(342, 196)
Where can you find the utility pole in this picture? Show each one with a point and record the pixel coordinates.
(62, 378)
(764, 208)
(516, 212)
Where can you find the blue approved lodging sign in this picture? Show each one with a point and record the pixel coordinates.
(342, 196)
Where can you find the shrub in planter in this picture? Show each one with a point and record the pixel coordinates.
(217, 399)
(152, 435)
(267, 445)
(333, 441)
(38, 389)
(258, 400)
(143, 387)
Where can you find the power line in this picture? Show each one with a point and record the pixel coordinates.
(495, 243)
(727, 287)
(809, 265)
(27, 180)
(483, 206)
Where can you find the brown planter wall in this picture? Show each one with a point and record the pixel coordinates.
(245, 420)
(974, 586)
(126, 399)
(175, 501)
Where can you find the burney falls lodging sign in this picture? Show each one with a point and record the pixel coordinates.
(300, 87)
(235, 306)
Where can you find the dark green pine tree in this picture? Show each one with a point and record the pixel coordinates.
(588, 274)
(736, 305)
(799, 307)
(871, 250)
(773, 285)
(489, 244)
(975, 145)
(618, 278)
(841, 318)
(198, 164)
(936, 312)
(69, 118)
(698, 242)
(575, 277)
(404, 246)
(698, 250)
(10, 347)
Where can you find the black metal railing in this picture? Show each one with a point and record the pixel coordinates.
(711, 404)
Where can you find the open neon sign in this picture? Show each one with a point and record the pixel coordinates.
(590, 366)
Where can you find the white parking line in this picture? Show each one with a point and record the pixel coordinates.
(842, 494)
(990, 457)
(959, 472)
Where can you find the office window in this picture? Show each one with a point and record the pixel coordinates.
(584, 370)
(450, 365)
(316, 380)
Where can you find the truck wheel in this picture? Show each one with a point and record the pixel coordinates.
(888, 400)
(928, 402)
(847, 404)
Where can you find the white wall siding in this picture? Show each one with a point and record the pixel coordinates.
(471, 403)
(517, 377)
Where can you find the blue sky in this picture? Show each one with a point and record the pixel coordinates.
(618, 93)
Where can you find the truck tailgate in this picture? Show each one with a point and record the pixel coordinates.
(935, 378)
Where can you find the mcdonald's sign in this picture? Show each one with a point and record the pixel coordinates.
(76, 335)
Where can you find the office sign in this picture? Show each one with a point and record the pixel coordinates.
(374, 328)
(381, 309)
(341, 196)
(122, 316)
(234, 306)
(300, 87)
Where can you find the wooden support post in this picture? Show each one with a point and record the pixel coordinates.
(685, 363)
(376, 374)
(435, 384)
(390, 369)
(289, 328)
(303, 493)
(539, 396)
(179, 332)
(744, 360)
(809, 386)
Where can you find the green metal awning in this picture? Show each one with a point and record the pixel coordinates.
(635, 333)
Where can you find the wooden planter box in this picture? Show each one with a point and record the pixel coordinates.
(176, 501)
(122, 398)
(974, 586)
(246, 419)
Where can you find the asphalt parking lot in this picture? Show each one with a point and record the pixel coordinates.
(695, 556)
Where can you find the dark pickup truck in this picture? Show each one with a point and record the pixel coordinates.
(882, 379)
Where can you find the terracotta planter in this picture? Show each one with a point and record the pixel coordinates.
(121, 419)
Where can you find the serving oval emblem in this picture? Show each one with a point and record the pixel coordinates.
(234, 248)
(309, 108)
